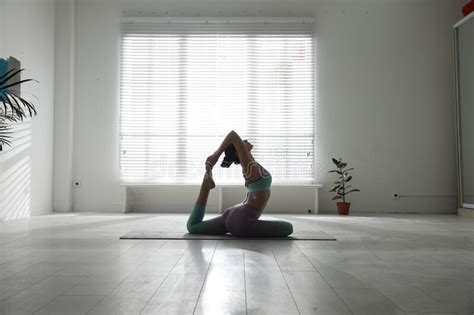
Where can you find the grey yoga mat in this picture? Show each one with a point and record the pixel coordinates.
(160, 235)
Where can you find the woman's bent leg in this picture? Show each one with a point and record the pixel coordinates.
(243, 222)
(196, 225)
(195, 222)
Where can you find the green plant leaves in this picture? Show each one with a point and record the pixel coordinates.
(340, 187)
(10, 74)
(13, 107)
(334, 188)
(352, 191)
(6, 74)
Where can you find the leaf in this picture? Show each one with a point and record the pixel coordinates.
(336, 162)
(342, 165)
(352, 191)
(336, 197)
(334, 188)
(15, 84)
(348, 178)
(17, 106)
(31, 107)
(349, 169)
(13, 107)
(10, 74)
(16, 111)
(4, 106)
(7, 73)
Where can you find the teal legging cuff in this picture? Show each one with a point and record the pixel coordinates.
(196, 216)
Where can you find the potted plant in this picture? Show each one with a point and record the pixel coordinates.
(13, 108)
(340, 186)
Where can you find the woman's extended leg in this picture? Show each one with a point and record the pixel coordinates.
(195, 223)
(266, 228)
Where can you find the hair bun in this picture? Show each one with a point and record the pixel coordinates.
(231, 156)
(226, 162)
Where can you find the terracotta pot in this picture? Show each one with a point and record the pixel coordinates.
(343, 208)
(468, 8)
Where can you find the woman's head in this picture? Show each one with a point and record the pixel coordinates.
(231, 155)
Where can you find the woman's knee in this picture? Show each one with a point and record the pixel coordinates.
(194, 228)
(190, 228)
(287, 228)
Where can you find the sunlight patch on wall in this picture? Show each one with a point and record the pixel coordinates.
(15, 175)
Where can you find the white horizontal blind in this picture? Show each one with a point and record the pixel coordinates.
(185, 85)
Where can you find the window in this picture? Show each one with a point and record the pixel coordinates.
(185, 84)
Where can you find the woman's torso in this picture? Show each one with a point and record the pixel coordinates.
(257, 199)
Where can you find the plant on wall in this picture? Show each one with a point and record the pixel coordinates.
(13, 108)
(340, 185)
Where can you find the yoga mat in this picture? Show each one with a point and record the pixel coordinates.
(163, 235)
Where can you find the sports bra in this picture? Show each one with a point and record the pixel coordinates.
(261, 184)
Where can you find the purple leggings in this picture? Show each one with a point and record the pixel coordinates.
(240, 220)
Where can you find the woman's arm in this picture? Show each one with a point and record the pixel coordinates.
(233, 138)
(228, 140)
(246, 159)
(213, 158)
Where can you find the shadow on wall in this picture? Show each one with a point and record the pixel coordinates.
(15, 175)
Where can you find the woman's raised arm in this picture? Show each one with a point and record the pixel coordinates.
(228, 140)
(232, 138)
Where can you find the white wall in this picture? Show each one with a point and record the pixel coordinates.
(26, 169)
(384, 96)
(2, 25)
(96, 107)
(386, 102)
(63, 104)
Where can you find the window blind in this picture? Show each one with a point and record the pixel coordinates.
(185, 84)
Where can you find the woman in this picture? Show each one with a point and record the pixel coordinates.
(242, 219)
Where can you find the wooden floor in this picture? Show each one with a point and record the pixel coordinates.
(76, 264)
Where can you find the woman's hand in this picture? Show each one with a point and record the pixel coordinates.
(211, 161)
(228, 140)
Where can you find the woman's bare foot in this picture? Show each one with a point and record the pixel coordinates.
(208, 182)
